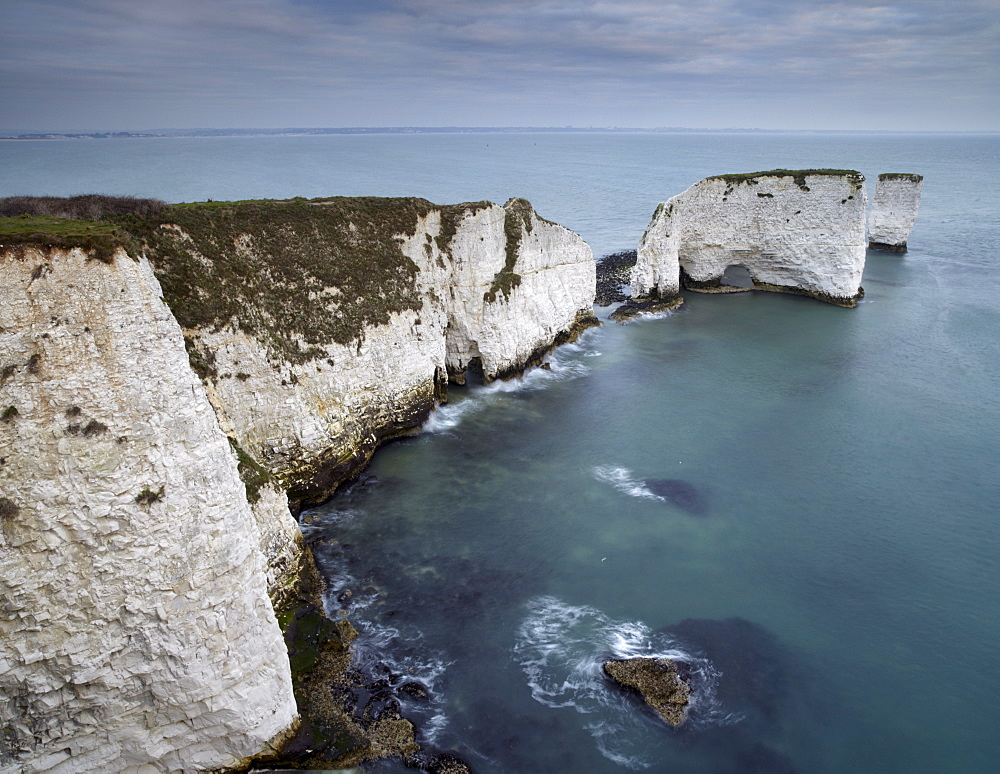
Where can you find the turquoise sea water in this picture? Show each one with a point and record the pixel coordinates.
(798, 500)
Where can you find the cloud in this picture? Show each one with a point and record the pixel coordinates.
(409, 62)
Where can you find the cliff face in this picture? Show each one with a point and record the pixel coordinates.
(135, 626)
(894, 209)
(310, 393)
(794, 231)
(140, 547)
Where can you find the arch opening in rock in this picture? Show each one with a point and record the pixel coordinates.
(737, 276)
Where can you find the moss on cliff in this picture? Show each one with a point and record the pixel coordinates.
(517, 221)
(451, 216)
(798, 175)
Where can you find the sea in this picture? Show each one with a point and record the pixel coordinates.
(798, 502)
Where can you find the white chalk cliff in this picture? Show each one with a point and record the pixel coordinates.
(894, 210)
(494, 292)
(137, 569)
(799, 231)
(136, 629)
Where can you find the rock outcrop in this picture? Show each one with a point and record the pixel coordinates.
(163, 386)
(135, 624)
(309, 370)
(795, 231)
(657, 681)
(894, 209)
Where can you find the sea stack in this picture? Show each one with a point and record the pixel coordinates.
(795, 231)
(894, 209)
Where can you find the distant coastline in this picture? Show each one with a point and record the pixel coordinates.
(316, 131)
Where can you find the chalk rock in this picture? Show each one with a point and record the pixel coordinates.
(136, 631)
(489, 288)
(894, 210)
(795, 231)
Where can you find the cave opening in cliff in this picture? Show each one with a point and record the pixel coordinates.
(737, 276)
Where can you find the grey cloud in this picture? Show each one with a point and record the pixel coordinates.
(522, 61)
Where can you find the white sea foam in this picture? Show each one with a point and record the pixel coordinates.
(623, 480)
(387, 651)
(561, 649)
(564, 363)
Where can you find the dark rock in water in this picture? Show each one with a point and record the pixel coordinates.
(752, 662)
(612, 274)
(679, 493)
(438, 763)
(414, 690)
(637, 307)
(657, 681)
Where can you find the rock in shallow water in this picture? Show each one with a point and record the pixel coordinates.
(657, 681)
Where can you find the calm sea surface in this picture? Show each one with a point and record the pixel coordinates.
(800, 501)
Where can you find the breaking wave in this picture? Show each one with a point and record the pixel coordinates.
(561, 649)
(563, 363)
(393, 660)
(623, 480)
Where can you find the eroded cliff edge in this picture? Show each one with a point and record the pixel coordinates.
(795, 231)
(146, 532)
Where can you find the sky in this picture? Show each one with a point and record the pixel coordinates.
(86, 65)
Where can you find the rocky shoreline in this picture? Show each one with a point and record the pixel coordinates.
(613, 277)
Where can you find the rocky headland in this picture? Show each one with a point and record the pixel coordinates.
(175, 382)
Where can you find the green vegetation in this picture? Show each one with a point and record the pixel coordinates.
(516, 222)
(148, 496)
(901, 176)
(75, 221)
(798, 175)
(99, 238)
(83, 207)
(451, 216)
(9, 414)
(253, 475)
(294, 274)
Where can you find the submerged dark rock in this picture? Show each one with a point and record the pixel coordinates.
(678, 492)
(752, 662)
(657, 681)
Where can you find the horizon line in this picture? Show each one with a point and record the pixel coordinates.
(413, 129)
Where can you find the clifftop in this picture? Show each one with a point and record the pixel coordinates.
(799, 176)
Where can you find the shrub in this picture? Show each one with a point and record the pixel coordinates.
(83, 207)
(148, 496)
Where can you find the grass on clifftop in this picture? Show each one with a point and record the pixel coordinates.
(901, 176)
(71, 221)
(294, 274)
(100, 238)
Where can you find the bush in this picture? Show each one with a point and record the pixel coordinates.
(83, 207)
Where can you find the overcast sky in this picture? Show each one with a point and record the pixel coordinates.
(858, 64)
